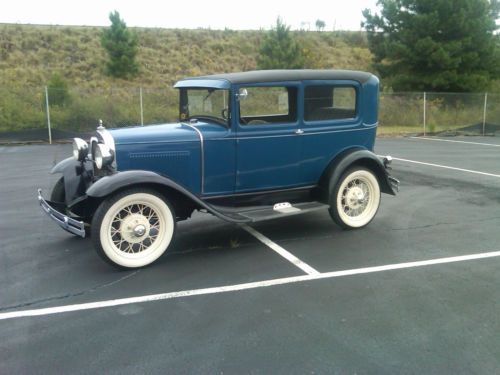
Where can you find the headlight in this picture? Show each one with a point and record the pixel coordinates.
(80, 149)
(92, 146)
(103, 155)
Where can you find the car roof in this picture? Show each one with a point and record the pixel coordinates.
(286, 75)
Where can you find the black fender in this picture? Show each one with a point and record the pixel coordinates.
(77, 177)
(64, 164)
(359, 157)
(108, 185)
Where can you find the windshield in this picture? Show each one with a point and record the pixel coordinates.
(205, 103)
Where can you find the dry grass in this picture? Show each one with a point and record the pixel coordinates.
(29, 54)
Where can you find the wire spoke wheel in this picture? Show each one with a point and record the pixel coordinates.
(356, 198)
(134, 228)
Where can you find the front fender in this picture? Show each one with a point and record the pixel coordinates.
(64, 164)
(358, 157)
(109, 184)
(77, 177)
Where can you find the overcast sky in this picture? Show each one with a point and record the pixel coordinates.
(233, 14)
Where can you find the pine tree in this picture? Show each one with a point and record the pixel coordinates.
(279, 50)
(121, 46)
(58, 91)
(438, 45)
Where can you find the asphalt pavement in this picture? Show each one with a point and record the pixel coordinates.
(430, 318)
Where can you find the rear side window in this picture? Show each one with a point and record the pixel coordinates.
(267, 105)
(329, 103)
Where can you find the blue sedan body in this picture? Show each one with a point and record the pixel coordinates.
(248, 147)
(240, 158)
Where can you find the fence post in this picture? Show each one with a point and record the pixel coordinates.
(425, 114)
(48, 113)
(484, 111)
(142, 112)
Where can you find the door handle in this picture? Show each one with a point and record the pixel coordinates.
(299, 131)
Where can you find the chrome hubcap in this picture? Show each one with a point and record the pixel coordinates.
(135, 228)
(139, 230)
(355, 197)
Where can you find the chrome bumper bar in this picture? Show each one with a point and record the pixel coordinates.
(65, 222)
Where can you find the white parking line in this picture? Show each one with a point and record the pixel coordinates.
(277, 248)
(237, 287)
(448, 167)
(454, 141)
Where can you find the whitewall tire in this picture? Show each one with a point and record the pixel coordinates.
(133, 228)
(355, 199)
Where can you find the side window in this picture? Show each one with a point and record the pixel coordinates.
(267, 105)
(329, 103)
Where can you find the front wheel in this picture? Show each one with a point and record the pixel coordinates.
(355, 199)
(133, 228)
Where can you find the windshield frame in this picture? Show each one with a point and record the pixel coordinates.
(216, 117)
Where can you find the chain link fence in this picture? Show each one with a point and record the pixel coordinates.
(433, 113)
(48, 114)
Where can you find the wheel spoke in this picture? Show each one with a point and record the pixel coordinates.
(122, 245)
(131, 247)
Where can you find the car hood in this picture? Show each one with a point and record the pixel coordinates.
(176, 132)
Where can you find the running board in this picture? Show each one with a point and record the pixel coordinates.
(278, 210)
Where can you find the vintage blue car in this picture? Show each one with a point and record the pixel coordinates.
(248, 147)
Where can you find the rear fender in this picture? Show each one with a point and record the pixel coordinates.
(355, 157)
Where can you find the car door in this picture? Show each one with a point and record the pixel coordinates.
(268, 137)
(332, 123)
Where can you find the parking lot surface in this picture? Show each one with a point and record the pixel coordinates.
(226, 302)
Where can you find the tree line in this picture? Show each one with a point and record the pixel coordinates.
(417, 45)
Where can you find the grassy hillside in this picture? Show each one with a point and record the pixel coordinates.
(29, 55)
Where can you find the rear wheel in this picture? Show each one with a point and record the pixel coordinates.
(133, 228)
(355, 199)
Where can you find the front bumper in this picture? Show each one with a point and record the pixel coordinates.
(65, 222)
